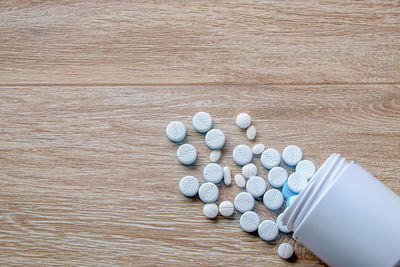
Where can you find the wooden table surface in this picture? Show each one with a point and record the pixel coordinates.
(87, 175)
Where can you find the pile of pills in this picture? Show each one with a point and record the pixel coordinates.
(277, 191)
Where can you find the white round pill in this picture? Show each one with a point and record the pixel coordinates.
(285, 251)
(273, 199)
(226, 208)
(215, 139)
(256, 186)
(244, 202)
(208, 193)
(227, 176)
(306, 168)
(189, 186)
(240, 181)
(187, 154)
(291, 200)
(270, 158)
(202, 122)
(277, 177)
(251, 133)
(210, 210)
(249, 221)
(213, 173)
(297, 182)
(268, 230)
(282, 228)
(292, 155)
(258, 149)
(215, 155)
(243, 120)
(249, 170)
(176, 131)
(242, 155)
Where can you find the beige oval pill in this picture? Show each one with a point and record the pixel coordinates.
(251, 133)
(285, 251)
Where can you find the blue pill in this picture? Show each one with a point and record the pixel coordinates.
(287, 193)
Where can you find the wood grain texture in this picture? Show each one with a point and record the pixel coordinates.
(89, 178)
(192, 42)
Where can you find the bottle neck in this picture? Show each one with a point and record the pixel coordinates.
(322, 180)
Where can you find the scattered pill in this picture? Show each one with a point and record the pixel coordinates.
(286, 192)
(282, 228)
(244, 202)
(187, 154)
(215, 155)
(226, 208)
(202, 122)
(243, 120)
(189, 186)
(285, 251)
(213, 173)
(210, 210)
(277, 177)
(176, 131)
(249, 221)
(240, 181)
(249, 170)
(292, 155)
(215, 139)
(242, 155)
(268, 230)
(270, 158)
(258, 149)
(306, 168)
(291, 200)
(251, 133)
(256, 186)
(273, 199)
(297, 182)
(227, 176)
(208, 192)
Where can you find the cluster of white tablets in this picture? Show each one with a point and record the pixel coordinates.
(282, 189)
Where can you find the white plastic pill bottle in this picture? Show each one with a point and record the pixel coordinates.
(347, 217)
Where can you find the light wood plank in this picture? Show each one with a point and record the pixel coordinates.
(188, 42)
(89, 178)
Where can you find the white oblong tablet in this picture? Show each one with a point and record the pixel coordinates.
(227, 176)
(277, 177)
(186, 154)
(240, 181)
(297, 182)
(242, 155)
(285, 251)
(292, 155)
(176, 131)
(249, 170)
(256, 186)
(189, 186)
(258, 149)
(208, 193)
(291, 200)
(213, 173)
(210, 210)
(306, 168)
(268, 230)
(249, 221)
(244, 202)
(282, 228)
(215, 139)
(273, 199)
(270, 158)
(251, 133)
(226, 208)
(202, 122)
(243, 120)
(215, 155)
